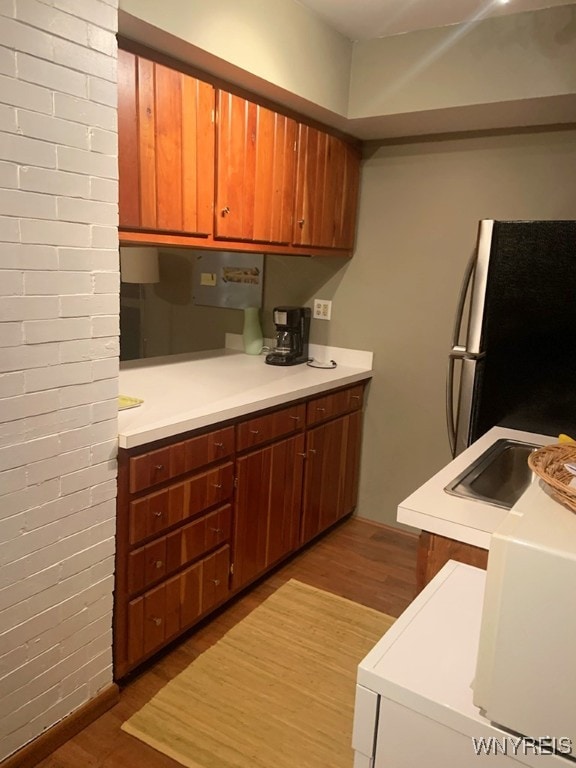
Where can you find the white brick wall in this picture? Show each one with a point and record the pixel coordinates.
(58, 358)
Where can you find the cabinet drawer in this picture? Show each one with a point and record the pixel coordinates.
(335, 404)
(146, 565)
(161, 613)
(158, 614)
(270, 427)
(159, 511)
(197, 538)
(215, 578)
(160, 558)
(163, 464)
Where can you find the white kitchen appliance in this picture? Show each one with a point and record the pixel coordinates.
(414, 702)
(526, 669)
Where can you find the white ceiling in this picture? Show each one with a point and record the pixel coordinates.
(368, 19)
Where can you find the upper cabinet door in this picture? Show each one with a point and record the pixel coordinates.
(166, 148)
(328, 173)
(255, 172)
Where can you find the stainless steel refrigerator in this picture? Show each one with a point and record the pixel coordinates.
(516, 314)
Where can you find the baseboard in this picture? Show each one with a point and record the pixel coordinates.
(54, 737)
(387, 527)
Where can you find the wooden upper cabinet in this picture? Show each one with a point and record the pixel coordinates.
(255, 172)
(328, 173)
(166, 148)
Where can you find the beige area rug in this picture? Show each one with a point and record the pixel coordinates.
(277, 691)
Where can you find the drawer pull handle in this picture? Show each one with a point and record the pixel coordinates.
(158, 513)
(321, 410)
(216, 530)
(218, 445)
(254, 431)
(158, 467)
(303, 455)
(156, 620)
(157, 563)
(296, 418)
(311, 450)
(217, 485)
(216, 582)
(355, 397)
(301, 222)
(225, 210)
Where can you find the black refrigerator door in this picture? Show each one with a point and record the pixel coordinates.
(527, 378)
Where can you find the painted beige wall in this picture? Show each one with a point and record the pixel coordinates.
(419, 211)
(522, 56)
(502, 72)
(277, 40)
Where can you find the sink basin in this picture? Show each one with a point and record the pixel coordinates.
(498, 477)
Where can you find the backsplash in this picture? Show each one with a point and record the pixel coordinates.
(162, 319)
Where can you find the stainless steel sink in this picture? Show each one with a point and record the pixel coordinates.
(498, 477)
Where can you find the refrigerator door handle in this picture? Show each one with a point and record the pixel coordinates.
(458, 351)
(450, 422)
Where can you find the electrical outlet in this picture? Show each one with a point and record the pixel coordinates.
(322, 309)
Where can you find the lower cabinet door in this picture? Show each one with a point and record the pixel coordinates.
(332, 471)
(267, 514)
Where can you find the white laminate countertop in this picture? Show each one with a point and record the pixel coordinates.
(190, 391)
(472, 522)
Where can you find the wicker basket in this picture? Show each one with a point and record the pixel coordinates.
(548, 463)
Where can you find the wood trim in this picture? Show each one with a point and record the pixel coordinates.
(130, 237)
(140, 49)
(58, 734)
(434, 551)
(388, 527)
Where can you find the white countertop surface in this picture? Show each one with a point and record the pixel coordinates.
(426, 660)
(432, 509)
(426, 664)
(190, 391)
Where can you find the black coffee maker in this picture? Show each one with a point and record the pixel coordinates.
(292, 333)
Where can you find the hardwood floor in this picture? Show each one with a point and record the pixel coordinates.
(367, 563)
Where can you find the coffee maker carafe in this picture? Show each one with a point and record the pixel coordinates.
(292, 333)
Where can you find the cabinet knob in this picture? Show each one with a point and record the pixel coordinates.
(355, 397)
(321, 410)
(157, 564)
(218, 445)
(295, 418)
(311, 450)
(216, 530)
(158, 513)
(225, 210)
(216, 582)
(301, 222)
(254, 431)
(158, 467)
(216, 485)
(302, 454)
(156, 620)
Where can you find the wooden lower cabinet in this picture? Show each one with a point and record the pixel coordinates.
(434, 551)
(202, 517)
(332, 470)
(267, 507)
